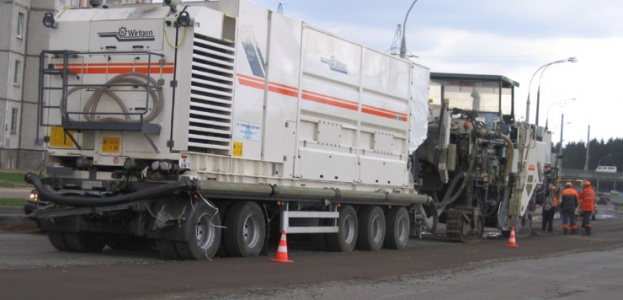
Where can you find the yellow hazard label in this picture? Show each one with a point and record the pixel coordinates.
(111, 145)
(59, 139)
(238, 149)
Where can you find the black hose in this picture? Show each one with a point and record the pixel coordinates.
(466, 176)
(450, 189)
(77, 201)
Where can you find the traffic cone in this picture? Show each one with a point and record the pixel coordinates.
(511, 239)
(282, 251)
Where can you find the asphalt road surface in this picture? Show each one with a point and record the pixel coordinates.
(543, 266)
(22, 193)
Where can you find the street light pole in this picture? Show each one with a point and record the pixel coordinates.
(403, 43)
(543, 67)
(599, 162)
(562, 103)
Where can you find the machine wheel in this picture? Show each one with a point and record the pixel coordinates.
(398, 227)
(464, 225)
(57, 240)
(371, 228)
(167, 249)
(317, 240)
(84, 242)
(222, 211)
(205, 237)
(245, 229)
(128, 242)
(346, 238)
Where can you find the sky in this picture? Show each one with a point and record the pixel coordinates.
(501, 37)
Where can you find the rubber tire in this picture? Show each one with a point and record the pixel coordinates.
(245, 231)
(129, 242)
(205, 237)
(223, 208)
(319, 240)
(84, 242)
(348, 226)
(57, 239)
(167, 249)
(398, 228)
(371, 228)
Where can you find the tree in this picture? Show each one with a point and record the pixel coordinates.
(610, 153)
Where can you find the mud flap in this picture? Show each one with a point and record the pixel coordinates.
(168, 220)
(503, 218)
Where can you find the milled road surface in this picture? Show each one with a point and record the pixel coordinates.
(31, 269)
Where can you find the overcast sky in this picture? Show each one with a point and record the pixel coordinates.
(501, 37)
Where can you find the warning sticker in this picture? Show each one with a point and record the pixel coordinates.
(238, 149)
(111, 145)
(58, 138)
(247, 131)
(185, 162)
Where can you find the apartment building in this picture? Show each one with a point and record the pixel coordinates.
(22, 38)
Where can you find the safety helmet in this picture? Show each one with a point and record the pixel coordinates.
(587, 183)
(568, 184)
(553, 187)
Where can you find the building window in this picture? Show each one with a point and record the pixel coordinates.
(13, 121)
(20, 25)
(17, 72)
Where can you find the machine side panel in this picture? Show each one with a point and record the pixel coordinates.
(283, 92)
(329, 110)
(248, 109)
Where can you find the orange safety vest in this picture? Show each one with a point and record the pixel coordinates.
(588, 199)
(569, 200)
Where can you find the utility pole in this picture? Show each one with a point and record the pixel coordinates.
(588, 147)
(562, 126)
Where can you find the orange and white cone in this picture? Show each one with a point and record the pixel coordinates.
(511, 239)
(282, 251)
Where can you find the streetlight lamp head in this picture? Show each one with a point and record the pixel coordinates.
(572, 59)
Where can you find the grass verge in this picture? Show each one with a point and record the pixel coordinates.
(16, 202)
(13, 180)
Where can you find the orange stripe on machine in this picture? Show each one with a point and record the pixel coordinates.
(119, 68)
(258, 83)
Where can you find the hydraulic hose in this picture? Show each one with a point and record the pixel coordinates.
(182, 184)
(447, 200)
(450, 189)
(511, 156)
(130, 78)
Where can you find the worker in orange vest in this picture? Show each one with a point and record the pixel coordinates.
(549, 209)
(568, 203)
(587, 200)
